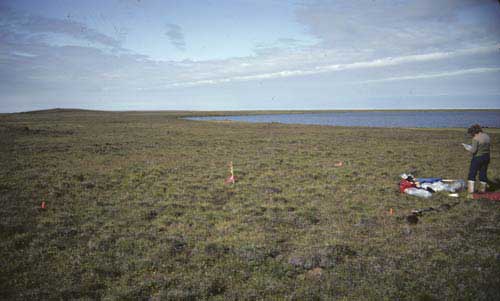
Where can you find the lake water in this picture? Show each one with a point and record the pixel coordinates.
(401, 119)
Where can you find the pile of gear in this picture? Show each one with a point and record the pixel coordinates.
(425, 187)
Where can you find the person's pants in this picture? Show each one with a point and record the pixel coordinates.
(479, 164)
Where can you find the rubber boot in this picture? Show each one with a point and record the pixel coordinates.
(482, 187)
(470, 189)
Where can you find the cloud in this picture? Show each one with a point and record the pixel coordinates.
(69, 27)
(377, 63)
(28, 60)
(398, 27)
(176, 36)
(433, 75)
(27, 25)
(392, 61)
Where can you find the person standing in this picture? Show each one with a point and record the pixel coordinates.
(480, 149)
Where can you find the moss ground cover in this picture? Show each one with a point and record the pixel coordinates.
(136, 208)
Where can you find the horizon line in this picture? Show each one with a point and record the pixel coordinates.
(55, 109)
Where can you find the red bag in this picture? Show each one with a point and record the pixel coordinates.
(493, 196)
(405, 184)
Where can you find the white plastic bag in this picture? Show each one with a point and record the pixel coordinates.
(458, 185)
(440, 186)
(436, 186)
(418, 192)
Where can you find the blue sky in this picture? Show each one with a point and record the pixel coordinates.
(260, 54)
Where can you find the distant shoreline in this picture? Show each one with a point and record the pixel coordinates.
(203, 113)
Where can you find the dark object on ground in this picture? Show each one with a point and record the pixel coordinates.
(419, 212)
(442, 207)
(412, 219)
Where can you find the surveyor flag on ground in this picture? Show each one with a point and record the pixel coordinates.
(231, 178)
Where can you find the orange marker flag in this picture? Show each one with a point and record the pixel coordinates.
(231, 178)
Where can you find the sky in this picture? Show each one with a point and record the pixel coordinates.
(249, 54)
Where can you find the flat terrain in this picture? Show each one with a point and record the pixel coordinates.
(136, 208)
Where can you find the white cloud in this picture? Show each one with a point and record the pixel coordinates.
(377, 63)
(398, 27)
(28, 25)
(432, 75)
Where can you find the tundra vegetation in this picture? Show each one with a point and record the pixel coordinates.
(136, 208)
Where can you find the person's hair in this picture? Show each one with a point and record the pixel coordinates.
(474, 129)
